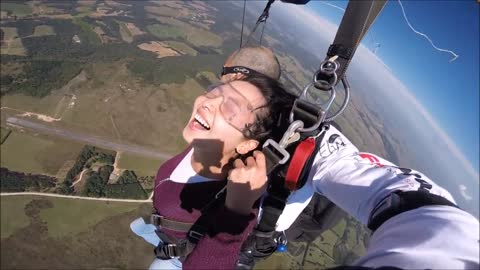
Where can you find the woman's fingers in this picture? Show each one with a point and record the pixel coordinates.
(247, 182)
(251, 163)
(260, 159)
(238, 163)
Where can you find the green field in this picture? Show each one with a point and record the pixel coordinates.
(106, 107)
(143, 166)
(12, 215)
(59, 233)
(43, 30)
(9, 33)
(19, 10)
(62, 219)
(47, 105)
(194, 35)
(37, 154)
(125, 33)
(165, 31)
(85, 7)
(87, 28)
(12, 43)
(4, 133)
(181, 47)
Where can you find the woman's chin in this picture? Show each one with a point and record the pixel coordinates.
(187, 136)
(190, 135)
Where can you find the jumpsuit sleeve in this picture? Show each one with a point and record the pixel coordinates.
(428, 237)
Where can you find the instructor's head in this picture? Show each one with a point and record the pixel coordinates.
(259, 59)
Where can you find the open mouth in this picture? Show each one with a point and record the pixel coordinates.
(201, 121)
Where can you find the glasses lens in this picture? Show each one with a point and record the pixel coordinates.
(230, 109)
(235, 108)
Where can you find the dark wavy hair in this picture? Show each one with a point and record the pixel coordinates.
(272, 118)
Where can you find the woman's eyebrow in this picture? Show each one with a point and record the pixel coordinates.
(238, 92)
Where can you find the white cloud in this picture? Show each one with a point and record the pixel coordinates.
(463, 191)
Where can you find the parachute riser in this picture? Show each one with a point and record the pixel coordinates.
(310, 107)
(261, 19)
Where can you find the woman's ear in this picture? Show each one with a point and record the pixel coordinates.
(247, 146)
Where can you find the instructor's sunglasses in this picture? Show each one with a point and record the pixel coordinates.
(239, 69)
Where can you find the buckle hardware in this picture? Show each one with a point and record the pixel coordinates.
(195, 235)
(170, 251)
(155, 220)
(280, 149)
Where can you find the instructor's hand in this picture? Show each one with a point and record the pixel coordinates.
(246, 183)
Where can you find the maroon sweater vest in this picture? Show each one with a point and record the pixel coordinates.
(219, 249)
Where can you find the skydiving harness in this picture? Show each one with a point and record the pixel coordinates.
(170, 247)
(289, 160)
(308, 123)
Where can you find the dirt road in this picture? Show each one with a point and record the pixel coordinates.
(149, 200)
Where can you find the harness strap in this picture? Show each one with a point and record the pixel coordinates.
(171, 247)
(163, 223)
(272, 158)
(399, 202)
(285, 179)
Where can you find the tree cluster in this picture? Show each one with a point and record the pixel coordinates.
(97, 181)
(19, 182)
(127, 186)
(85, 159)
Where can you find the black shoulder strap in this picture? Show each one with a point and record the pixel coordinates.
(201, 226)
(174, 248)
(275, 201)
(356, 21)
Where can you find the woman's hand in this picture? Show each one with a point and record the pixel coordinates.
(246, 183)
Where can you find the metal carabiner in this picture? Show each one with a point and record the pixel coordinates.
(321, 107)
(329, 69)
(291, 130)
(285, 141)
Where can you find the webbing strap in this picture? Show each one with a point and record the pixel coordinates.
(272, 158)
(173, 248)
(403, 201)
(356, 21)
(272, 208)
(278, 193)
(302, 153)
(173, 225)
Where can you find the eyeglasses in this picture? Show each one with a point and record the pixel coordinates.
(235, 107)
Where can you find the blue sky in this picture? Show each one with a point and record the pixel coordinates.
(449, 91)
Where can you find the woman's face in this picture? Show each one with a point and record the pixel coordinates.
(222, 113)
